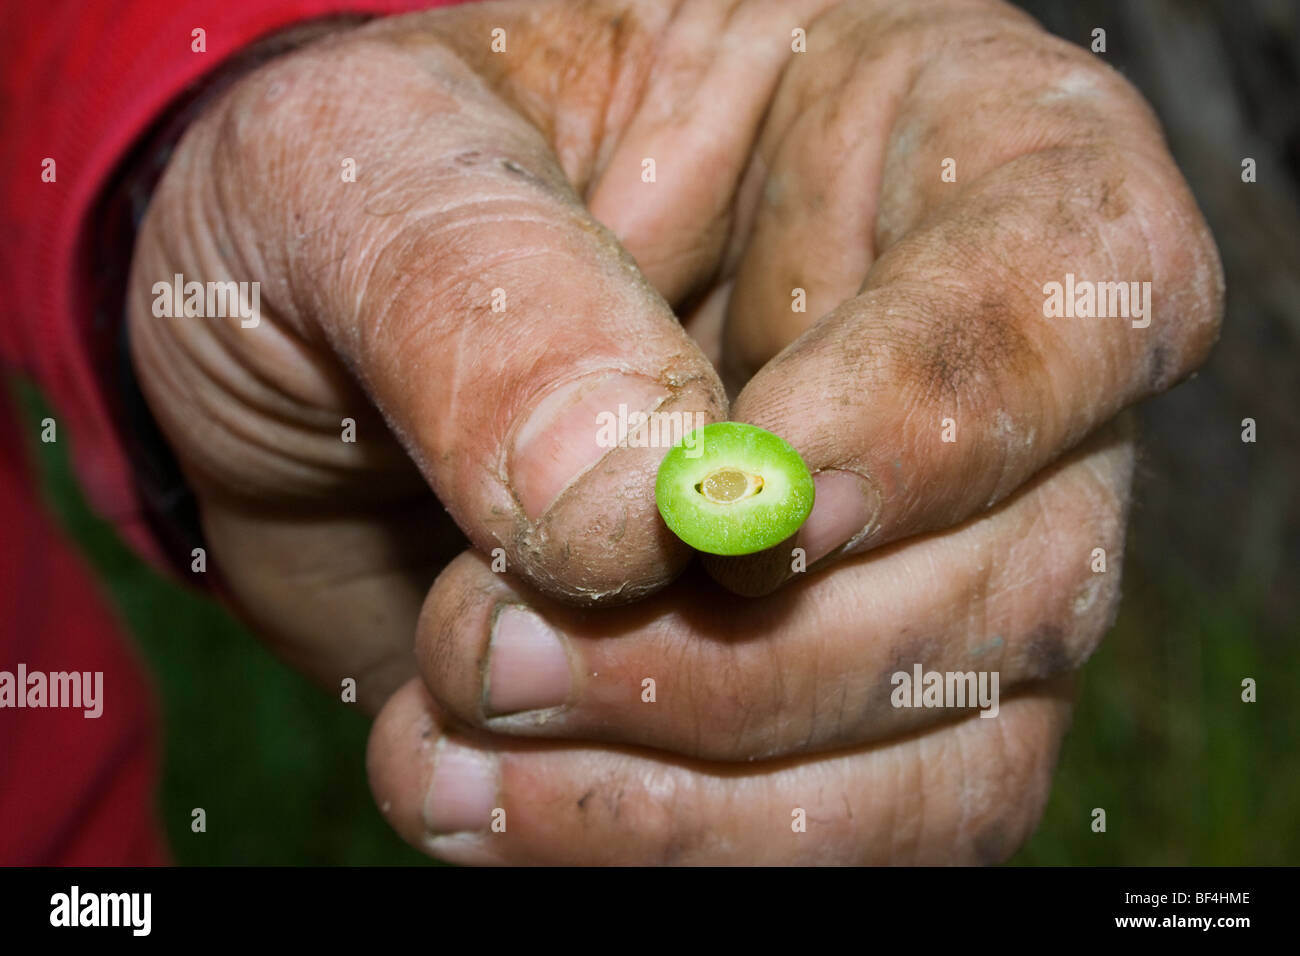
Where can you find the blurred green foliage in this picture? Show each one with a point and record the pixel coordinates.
(1187, 772)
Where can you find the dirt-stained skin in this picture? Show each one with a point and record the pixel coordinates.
(524, 173)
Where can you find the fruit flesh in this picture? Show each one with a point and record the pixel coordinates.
(742, 490)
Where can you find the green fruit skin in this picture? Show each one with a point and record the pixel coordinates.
(743, 527)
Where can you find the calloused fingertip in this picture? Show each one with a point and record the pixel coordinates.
(603, 541)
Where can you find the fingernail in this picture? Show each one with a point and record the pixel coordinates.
(528, 668)
(563, 436)
(846, 504)
(463, 792)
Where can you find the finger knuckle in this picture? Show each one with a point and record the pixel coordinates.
(1002, 800)
(1082, 547)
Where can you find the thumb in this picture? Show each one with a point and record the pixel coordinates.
(529, 370)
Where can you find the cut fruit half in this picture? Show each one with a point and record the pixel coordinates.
(729, 488)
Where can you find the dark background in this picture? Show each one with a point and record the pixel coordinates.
(1186, 771)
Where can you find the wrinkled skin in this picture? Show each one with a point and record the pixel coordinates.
(522, 171)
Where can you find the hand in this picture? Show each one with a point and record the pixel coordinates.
(377, 385)
(768, 170)
(761, 707)
(822, 172)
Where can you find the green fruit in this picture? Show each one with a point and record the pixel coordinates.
(729, 488)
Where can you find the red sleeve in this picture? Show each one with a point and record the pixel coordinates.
(77, 790)
(80, 82)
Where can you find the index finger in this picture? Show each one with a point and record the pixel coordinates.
(980, 337)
